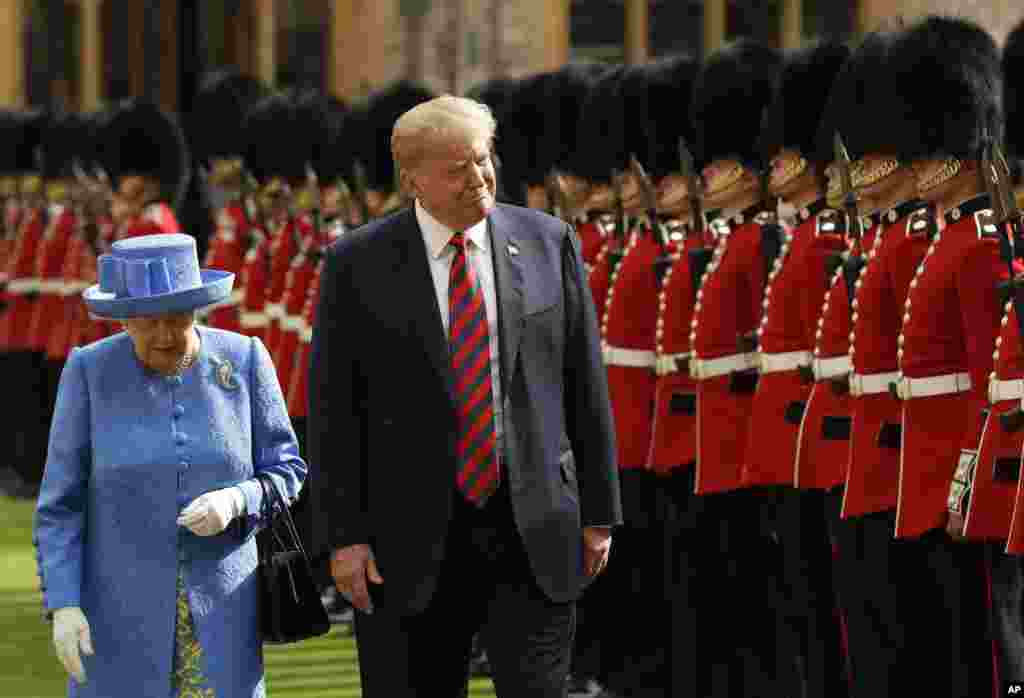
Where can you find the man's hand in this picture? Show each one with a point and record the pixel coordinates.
(350, 568)
(955, 526)
(597, 545)
(71, 639)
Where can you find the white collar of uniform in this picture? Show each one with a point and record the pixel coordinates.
(437, 235)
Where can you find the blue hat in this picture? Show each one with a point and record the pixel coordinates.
(154, 275)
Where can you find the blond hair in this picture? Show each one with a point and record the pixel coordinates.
(438, 118)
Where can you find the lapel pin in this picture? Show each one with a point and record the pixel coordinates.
(512, 249)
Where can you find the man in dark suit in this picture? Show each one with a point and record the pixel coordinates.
(459, 426)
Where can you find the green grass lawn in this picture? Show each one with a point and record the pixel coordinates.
(321, 668)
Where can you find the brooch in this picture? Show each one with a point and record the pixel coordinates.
(225, 372)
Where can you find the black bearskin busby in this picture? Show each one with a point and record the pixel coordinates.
(138, 138)
(669, 88)
(600, 145)
(215, 120)
(27, 129)
(949, 74)
(318, 126)
(1013, 94)
(799, 99)
(564, 93)
(382, 110)
(62, 144)
(270, 149)
(730, 94)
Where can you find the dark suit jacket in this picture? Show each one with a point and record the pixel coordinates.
(382, 415)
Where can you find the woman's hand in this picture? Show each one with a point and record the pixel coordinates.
(71, 634)
(210, 514)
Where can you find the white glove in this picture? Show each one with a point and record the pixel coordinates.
(71, 633)
(210, 513)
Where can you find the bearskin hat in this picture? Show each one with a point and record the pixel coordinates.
(491, 92)
(949, 74)
(266, 153)
(521, 123)
(564, 93)
(319, 119)
(730, 94)
(799, 98)
(62, 143)
(1013, 92)
(215, 120)
(138, 138)
(669, 88)
(600, 145)
(866, 74)
(382, 111)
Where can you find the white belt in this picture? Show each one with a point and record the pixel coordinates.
(25, 285)
(872, 383)
(666, 363)
(274, 310)
(52, 286)
(70, 288)
(292, 322)
(1005, 390)
(910, 388)
(702, 369)
(784, 361)
(824, 369)
(250, 319)
(635, 358)
(307, 334)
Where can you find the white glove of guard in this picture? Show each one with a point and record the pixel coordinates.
(210, 513)
(71, 634)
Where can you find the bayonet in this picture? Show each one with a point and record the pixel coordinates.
(650, 199)
(693, 185)
(848, 195)
(620, 211)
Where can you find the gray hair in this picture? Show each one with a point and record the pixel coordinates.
(440, 117)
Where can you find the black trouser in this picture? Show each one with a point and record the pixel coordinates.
(633, 653)
(28, 381)
(746, 653)
(809, 627)
(1007, 593)
(485, 584)
(874, 584)
(949, 626)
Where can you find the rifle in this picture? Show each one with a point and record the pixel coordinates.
(693, 187)
(852, 266)
(664, 260)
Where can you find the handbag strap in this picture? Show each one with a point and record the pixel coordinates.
(272, 496)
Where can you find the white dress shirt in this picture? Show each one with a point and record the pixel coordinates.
(436, 236)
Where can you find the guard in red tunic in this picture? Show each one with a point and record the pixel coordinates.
(217, 142)
(873, 594)
(731, 91)
(797, 280)
(142, 150)
(945, 358)
(25, 363)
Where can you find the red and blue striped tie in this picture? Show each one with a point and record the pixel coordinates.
(470, 351)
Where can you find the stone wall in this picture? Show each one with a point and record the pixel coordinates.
(997, 16)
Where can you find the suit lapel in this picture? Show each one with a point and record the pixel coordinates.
(508, 272)
(420, 298)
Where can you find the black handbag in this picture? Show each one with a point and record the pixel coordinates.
(290, 605)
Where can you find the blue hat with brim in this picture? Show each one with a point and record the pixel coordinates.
(154, 275)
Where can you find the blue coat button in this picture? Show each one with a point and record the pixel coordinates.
(180, 439)
(183, 465)
(179, 410)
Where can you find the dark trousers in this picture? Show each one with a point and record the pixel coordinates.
(485, 584)
(744, 653)
(27, 379)
(808, 621)
(949, 627)
(633, 650)
(1007, 595)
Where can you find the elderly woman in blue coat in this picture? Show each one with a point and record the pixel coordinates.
(151, 494)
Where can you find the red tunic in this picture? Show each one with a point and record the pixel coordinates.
(822, 448)
(627, 327)
(58, 343)
(227, 253)
(297, 389)
(49, 307)
(872, 475)
(728, 307)
(949, 327)
(253, 281)
(797, 281)
(674, 431)
(22, 284)
(592, 237)
(600, 274)
(284, 246)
